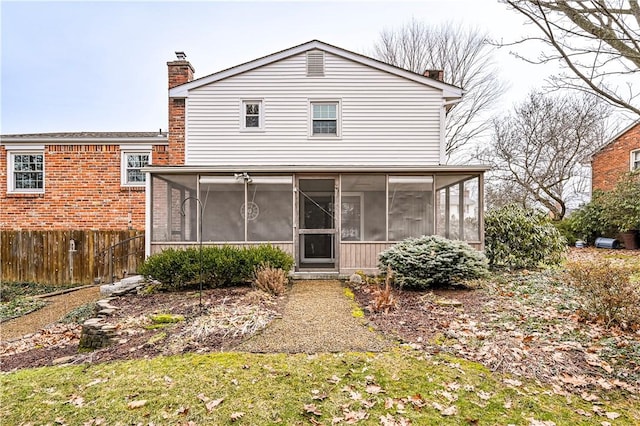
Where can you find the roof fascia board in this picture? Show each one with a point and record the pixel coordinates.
(317, 169)
(85, 141)
(182, 91)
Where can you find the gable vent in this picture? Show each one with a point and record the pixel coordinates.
(315, 64)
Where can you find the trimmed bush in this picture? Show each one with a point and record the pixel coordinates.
(516, 237)
(221, 266)
(609, 293)
(432, 261)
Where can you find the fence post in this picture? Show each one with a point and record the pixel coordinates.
(110, 264)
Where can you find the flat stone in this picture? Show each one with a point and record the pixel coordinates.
(106, 312)
(63, 360)
(448, 302)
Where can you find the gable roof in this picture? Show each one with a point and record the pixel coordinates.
(449, 91)
(616, 137)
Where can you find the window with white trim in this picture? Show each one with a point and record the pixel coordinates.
(325, 118)
(635, 160)
(132, 163)
(26, 172)
(252, 117)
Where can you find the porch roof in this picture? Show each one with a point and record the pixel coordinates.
(480, 168)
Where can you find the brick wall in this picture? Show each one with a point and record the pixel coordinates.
(82, 191)
(180, 72)
(614, 159)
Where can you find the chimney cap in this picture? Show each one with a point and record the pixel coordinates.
(181, 56)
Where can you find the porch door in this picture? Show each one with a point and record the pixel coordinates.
(317, 223)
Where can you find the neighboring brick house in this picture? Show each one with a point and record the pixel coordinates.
(73, 204)
(620, 155)
(76, 181)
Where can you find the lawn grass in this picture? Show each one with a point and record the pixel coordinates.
(259, 389)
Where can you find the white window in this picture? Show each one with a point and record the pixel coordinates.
(325, 118)
(635, 160)
(26, 172)
(252, 117)
(132, 162)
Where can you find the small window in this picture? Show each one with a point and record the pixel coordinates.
(324, 119)
(132, 162)
(27, 172)
(635, 160)
(252, 115)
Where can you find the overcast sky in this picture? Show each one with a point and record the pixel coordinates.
(101, 66)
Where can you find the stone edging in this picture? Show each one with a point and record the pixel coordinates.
(96, 332)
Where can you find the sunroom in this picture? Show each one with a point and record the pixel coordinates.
(330, 221)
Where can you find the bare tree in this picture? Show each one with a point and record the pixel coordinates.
(541, 147)
(596, 41)
(466, 59)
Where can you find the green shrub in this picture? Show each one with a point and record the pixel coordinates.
(516, 237)
(431, 261)
(565, 229)
(622, 205)
(609, 293)
(173, 268)
(224, 265)
(590, 221)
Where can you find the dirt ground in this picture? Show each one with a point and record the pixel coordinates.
(523, 324)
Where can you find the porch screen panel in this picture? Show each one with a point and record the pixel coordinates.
(410, 206)
(270, 209)
(174, 209)
(472, 210)
(223, 217)
(457, 206)
(363, 208)
(454, 212)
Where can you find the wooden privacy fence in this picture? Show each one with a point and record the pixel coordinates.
(63, 257)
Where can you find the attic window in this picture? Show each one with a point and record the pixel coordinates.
(315, 64)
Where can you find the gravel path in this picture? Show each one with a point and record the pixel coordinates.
(317, 318)
(58, 307)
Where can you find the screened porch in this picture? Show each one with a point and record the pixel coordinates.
(334, 222)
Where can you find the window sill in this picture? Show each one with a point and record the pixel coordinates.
(132, 187)
(328, 137)
(252, 131)
(25, 194)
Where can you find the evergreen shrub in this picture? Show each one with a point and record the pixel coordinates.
(517, 237)
(221, 266)
(430, 261)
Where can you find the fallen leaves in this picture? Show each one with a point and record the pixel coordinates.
(137, 404)
(236, 415)
(209, 403)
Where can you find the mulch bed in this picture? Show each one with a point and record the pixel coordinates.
(418, 317)
(138, 338)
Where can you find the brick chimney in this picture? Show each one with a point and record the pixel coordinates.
(435, 74)
(180, 72)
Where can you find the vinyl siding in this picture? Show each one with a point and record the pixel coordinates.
(386, 119)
